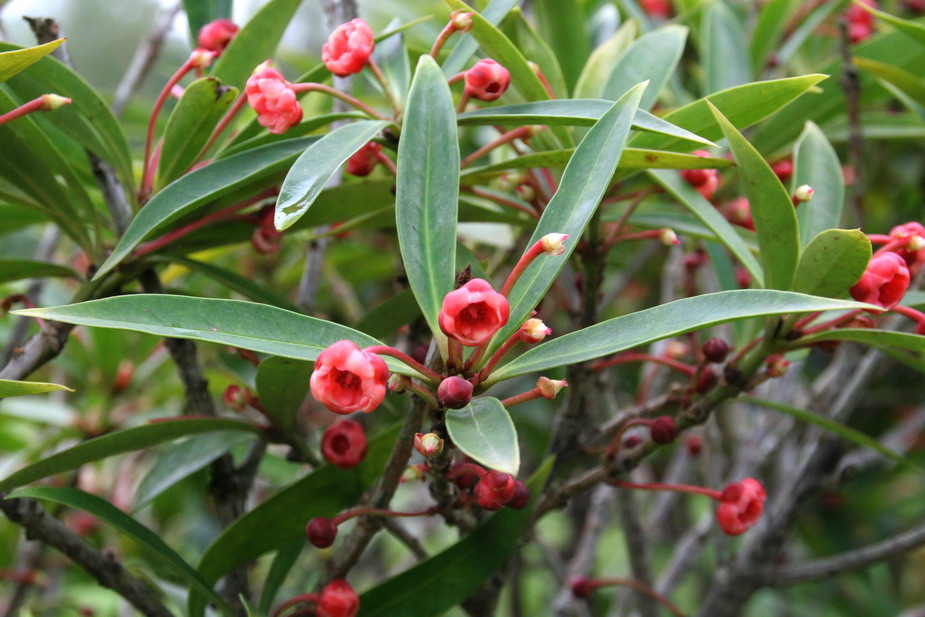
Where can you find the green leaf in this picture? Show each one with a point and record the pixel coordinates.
(584, 182)
(120, 442)
(483, 431)
(426, 198)
(723, 50)
(262, 138)
(18, 269)
(599, 66)
(562, 24)
(910, 28)
(654, 56)
(806, 28)
(868, 336)
(190, 125)
(478, 555)
(707, 213)
(816, 164)
(743, 106)
(663, 321)
(12, 62)
(112, 515)
(383, 320)
(255, 42)
(201, 12)
(845, 432)
(909, 83)
(279, 522)
(771, 208)
(467, 45)
(282, 385)
(572, 112)
(832, 263)
(772, 20)
(258, 327)
(282, 564)
(190, 193)
(24, 388)
(184, 459)
(314, 168)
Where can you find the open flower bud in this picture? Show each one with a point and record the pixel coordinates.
(321, 532)
(348, 48)
(216, 35)
(428, 445)
(552, 243)
(487, 80)
(338, 599)
(884, 282)
(473, 313)
(348, 379)
(454, 392)
(740, 506)
(913, 251)
(344, 444)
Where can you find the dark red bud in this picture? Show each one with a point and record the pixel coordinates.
(582, 587)
(521, 496)
(694, 445)
(321, 532)
(663, 430)
(706, 381)
(632, 441)
(454, 392)
(494, 490)
(715, 350)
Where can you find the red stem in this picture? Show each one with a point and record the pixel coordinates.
(879, 239)
(385, 350)
(618, 438)
(499, 354)
(911, 313)
(296, 600)
(525, 260)
(314, 87)
(638, 586)
(221, 126)
(349, 514)
(442, 38)
(518, 133)
(37, 104)
(385, 160)
(833, 323)
(501, 201)
(677, 488)
(523, 397)
(625, 358)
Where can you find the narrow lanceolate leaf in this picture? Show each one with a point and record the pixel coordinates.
(872, 337)
(119, 442)
(599, 65)
(255, 42)
(467, 45)
(573, 112)
(909, 83)
(772, 210)
(112, 515)
(772, 20)
(190, 124)
(845, 432)
(562, 24)
(479, 555)
(909, 28)
(710, 216)
(427, 193)
(654, 56)
(483, 431)
(24, 388)
(314, 168)
(258, 327)
(12, 62)
(282, 385)
(816, 164)
(660, 322)
(201, 187)
(832, 262)
(18, 269)
(584, 182)
(723, 50)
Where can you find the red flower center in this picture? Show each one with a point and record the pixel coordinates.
(346, 380)
(475, 313)
(340, 444)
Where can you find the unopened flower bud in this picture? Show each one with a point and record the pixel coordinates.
(552, 243)
(396, 383)
(676, 349)
(715, 350)
(803, 193)
(51, 102)
(668, 237)
(201, 58)
(494, 490)
(549, 388)
(428, 445)
(534, 331)
(706, 381)
(581, 588)
(454, 392)
(237, 397)
(526, 192)
(413, 473)
(694, 445)
(462, 20)
(321, 532)
(916, 243)
(777, 365)
(463, 475)
(632, 441)
(663, 430)
(521, 496)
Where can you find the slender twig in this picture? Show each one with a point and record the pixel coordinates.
(851, 86)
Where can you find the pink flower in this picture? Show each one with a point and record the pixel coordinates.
(274, 100)
(348, 48)
(487, 80)
(704, 180)
(885, 281)
(348, 379)
(216, 35)
(860, 22)
(913, 251)
(740, 506)
(364, 160)
(473, 313)
(338, 599)
(344, 444)
(656, 8)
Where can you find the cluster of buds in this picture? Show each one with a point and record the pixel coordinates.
(705, 181)
(491, 489)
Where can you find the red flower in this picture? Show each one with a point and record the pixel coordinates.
(216, 35)
(740, 506)
(494, 490)
(704, 180)
(348, 379)
(344, 444)
(274, 100)
(656, 8)
(860, 22)
(783, 169)
(364, 160)
(338, 599)
(487, 80)
(885, 281)
(913, 251)
(473, 313)
(348, 48)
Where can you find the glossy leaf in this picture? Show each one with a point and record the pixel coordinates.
(198, 188)
(816, 164)
(426, 198)
(120, 442)
(654, 56)
(314, 168)
(805, 30)
(282, 564)
(765, 38)
(13, 62)
(910, 28)
(723, 50)
(24, 388)
(467, 45)
(483, 431)
(112, 515)
(282, 386)
(771, 208)
(18, 269)
(584, 182)
(869, 336)
(258, 327)
(832, 263)
(599, 65)
(383, 320)
(189, 126)
(184, 459)
(255, 42)
(707, 213)
(663, 321)
(535, 47)
(478, 555)
(562, 24)
(845, 432)
(911, 84)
